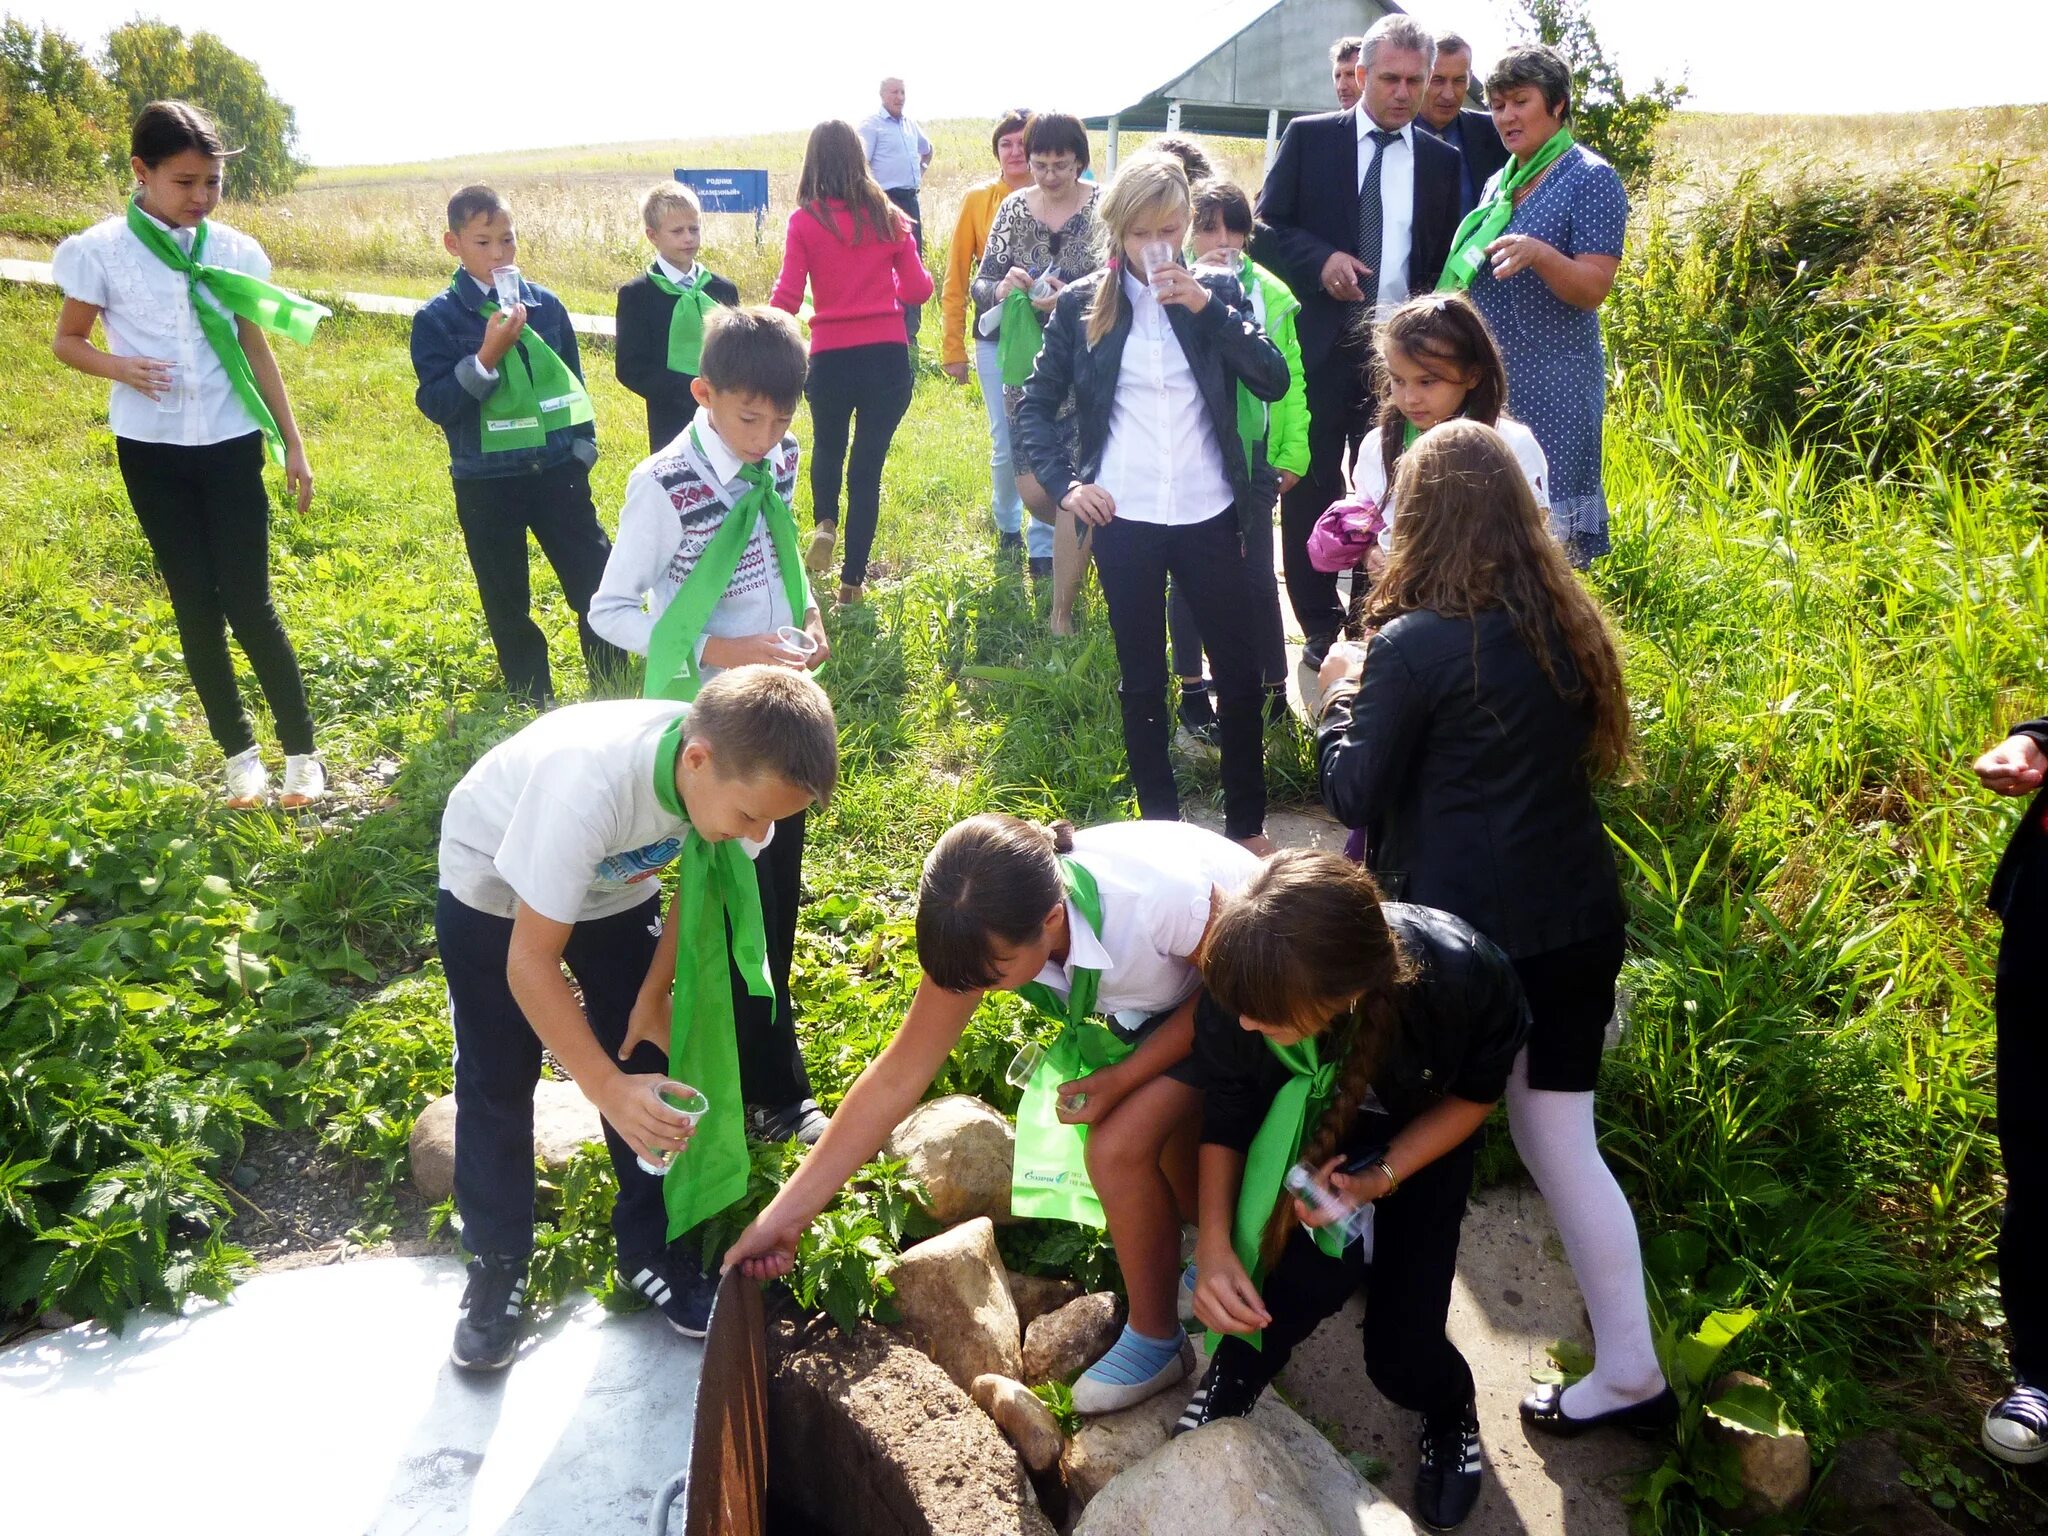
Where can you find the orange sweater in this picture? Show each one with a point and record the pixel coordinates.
(970, 239)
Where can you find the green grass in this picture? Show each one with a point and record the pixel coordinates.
(1832, 590)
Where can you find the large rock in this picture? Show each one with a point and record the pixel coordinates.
(1036, 1295)
(1865, 1492)
(1107, 1444)
(564, 1122)
(1230, 1479)
(961, 1151)
(866, 1437)
(1021, 1416)
(1069, 1339)
(1775, 1470)
(956, 1304)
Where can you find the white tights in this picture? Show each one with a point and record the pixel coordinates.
(1554, 1134)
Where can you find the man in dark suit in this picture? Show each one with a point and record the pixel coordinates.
(1357, 214)
(1466, 129)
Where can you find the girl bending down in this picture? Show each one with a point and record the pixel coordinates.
(1369, 1042)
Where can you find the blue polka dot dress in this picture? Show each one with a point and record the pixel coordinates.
(1557, 370)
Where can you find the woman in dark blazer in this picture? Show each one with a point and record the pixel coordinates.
(1465, 741)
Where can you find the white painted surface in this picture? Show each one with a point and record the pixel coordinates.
(322, 1400)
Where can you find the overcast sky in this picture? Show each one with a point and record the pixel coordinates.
(377, 81)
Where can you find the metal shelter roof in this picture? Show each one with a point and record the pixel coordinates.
(1276, 60)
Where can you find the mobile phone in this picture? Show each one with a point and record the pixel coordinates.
(1363, 1161)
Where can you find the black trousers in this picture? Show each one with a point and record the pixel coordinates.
(1407, 1290)
(864, 390)
(1271, 635)
(906, 199)
(1206, 562)
(1339, 406)
(495, 515)
(206, 515)
(2021, 988)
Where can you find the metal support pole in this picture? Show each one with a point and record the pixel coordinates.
(1173, 117)
(1115, 124)
(1272, 134)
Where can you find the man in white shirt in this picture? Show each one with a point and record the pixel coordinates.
(898, 155)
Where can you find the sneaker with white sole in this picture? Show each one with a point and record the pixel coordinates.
(248, 780)
(1450, 1468)
(1106, 1388)
(676, 1288)
(1226, 1392)
(2016, 1428)
(818, 557)
(493, 1306)
(305, 780)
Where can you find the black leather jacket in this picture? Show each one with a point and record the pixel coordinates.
(1467, 771)
(1223, 344)
(1462, 1021)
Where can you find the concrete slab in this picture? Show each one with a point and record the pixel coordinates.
(322, 1400)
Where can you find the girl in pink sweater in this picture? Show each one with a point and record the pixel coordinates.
(855, 250)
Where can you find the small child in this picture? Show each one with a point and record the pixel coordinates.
(1276, 451)
(551, 851)
(708, 545)
(662, 312)
(1438, 361)
(1366, 1041)
(506, 386)
(196, 404)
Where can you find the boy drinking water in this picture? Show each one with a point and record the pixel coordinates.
(662, 313)
(499, 373)
(551, 852)
(705, 576)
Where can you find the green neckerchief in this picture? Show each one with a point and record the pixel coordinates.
(672, 666)
(1297, 1106)
(1049, 1166)
(536, 393)
(1483, 225)
(1409, 432)
(686, 322)
(718, 896)
(266, 304)
(1019, 337)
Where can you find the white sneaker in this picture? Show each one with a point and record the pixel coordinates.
(2016, 1428)
(248, 779)
(1105, 1387)
(305, 780)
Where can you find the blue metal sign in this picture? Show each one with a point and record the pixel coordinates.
(728, 191)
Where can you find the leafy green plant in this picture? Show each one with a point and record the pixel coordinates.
(1058, 1397)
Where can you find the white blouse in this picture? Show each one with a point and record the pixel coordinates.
(1366, 474)
(147, 312)
(1162, 463)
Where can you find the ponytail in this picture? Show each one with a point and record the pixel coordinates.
(989, 881)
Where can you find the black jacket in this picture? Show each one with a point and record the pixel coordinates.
(2027, 850)
(1309, 208)
(644, 312)
(1467, 771)
(1479, 142)
(1223, 344)
(1462, 1020)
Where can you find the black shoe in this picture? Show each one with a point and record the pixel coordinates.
(1314, 654)
(1009, 546)
(1544, 1409)
(675, 1287)
(803, 1121)
(1447, 1481)
(1039, 567)
(493, 1306)
(1225, 1393)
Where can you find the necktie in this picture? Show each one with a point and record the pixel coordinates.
(1371, 218)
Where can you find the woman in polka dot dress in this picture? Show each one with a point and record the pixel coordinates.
(1542, 285)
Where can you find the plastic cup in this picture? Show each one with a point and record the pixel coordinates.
(506, 281)
(1155, 254)
(1024, 1065)
(797, 640)
(685, 1101)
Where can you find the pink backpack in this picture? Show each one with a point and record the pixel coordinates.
(1345, 531)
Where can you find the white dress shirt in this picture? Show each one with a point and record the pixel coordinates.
(676, 274)
(147, 311)
(1397, 205)
(1162, 463)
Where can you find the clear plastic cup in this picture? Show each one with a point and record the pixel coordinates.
(1024, 1065)
(798, 640)
(1155, 254)
(685, 1101)
(506, 281)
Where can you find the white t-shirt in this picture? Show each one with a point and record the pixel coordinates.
(1155, 879)
(563, 816)
(147, 312)
(1367, 473)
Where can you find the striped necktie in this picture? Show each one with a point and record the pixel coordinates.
(1371, 217)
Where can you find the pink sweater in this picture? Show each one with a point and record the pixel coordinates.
(857, 291)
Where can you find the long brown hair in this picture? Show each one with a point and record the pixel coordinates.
(1471, 537)
(989, 879)
(1303, 934)
(835, 166)
(1444, 331)
(1146, 182)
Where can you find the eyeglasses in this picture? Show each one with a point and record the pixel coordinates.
(1044, 167)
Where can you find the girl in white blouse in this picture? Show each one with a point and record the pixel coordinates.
(197, 401)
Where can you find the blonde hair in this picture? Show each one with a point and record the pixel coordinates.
(665, 198)
(1146, 182)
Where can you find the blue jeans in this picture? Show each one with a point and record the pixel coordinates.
(1005, 505)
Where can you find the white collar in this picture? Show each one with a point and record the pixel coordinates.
(1366, 125)
(1084, 952)
(184, 234)
(1135, 288)
(719, 458)
(676, 274)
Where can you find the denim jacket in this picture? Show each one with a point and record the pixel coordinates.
(452, 389)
